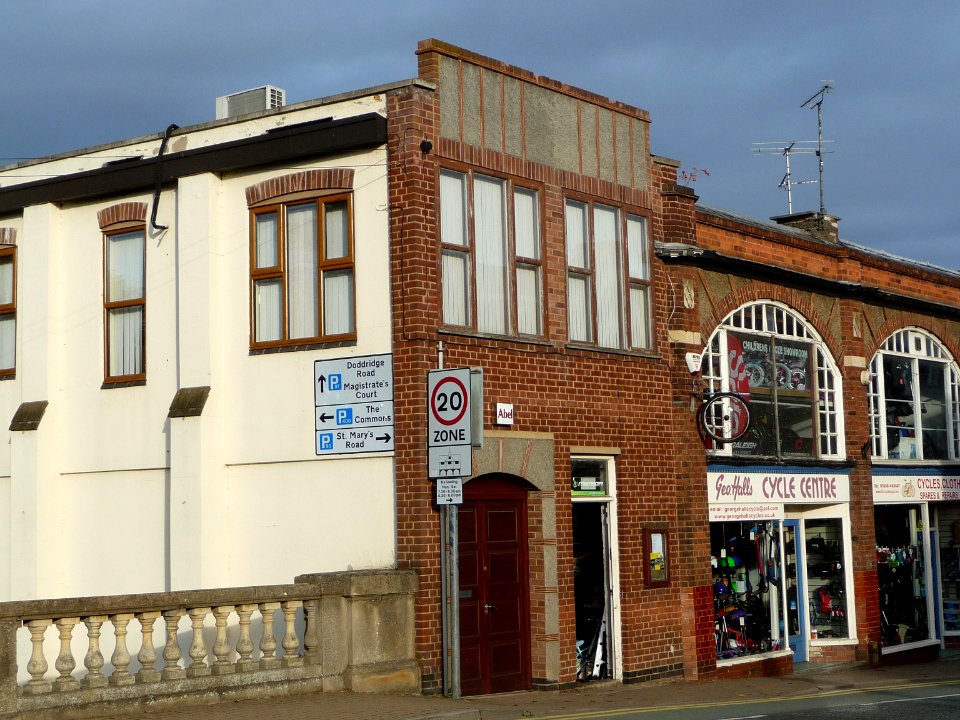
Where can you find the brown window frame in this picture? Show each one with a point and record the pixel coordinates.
(627, 282)
(513, 261)
(280, 271)
(109, 305)
(10, 309)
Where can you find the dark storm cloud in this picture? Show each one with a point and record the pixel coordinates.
(715, 76)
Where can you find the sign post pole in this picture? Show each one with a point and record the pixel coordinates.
(450, 458)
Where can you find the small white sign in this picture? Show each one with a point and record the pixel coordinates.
(504, 413)
(449, 491)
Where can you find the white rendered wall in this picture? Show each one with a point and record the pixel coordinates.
(126, 500)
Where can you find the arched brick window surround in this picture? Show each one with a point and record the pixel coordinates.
(324, 179)
(122, 212)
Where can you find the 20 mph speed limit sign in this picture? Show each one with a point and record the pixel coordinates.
(449, 423)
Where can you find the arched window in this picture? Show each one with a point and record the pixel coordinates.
(768, 353)
(914, 399)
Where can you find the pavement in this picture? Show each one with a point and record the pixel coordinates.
(593, 697)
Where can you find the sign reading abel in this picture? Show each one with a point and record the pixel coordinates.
(449, 436)
(353, 399)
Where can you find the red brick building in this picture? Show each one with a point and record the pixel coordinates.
(536, 237)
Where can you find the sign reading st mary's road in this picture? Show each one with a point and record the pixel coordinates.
(354, 404)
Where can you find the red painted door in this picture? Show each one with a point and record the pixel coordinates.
(494, 605)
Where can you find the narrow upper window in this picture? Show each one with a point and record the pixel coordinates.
(8, 309)
(770, 356)
(491, 257)
(125, 304)
(302, 264)
(914, 399)
(608, 281)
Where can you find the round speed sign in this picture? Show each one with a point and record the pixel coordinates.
(448, 401)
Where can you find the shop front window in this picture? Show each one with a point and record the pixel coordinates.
(914, 399)
(901, 574)
(747, 582)
(767, 354)
(826, 578)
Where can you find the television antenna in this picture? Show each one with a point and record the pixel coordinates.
(816, 101)
(807, 147)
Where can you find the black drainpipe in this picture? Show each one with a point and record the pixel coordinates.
(156, 190)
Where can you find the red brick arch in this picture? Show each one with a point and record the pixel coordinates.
(937, 328)
(122, 212)
(323, 179)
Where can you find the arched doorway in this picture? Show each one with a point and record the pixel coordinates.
(494, 586)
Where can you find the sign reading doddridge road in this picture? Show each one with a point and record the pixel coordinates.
(353, 398)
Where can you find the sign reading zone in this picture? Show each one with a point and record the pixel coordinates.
(448, 423)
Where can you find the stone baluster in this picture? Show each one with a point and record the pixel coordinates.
(198, 649)
(245, 662)
(37, 666)
(93, 660)
(268, 643)
(171, 650)
(221, 648)
(311, 632)
(291, 644)
(148, 654)
(66, 663)
(121, 656)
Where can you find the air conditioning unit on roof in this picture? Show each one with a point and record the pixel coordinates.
(258, 99)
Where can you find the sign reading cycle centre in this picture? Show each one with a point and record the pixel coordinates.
(353, 397)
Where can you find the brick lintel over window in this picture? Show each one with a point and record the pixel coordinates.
(8, 236)
(122, 212)
(324, 179)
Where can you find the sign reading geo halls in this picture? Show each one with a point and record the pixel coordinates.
(733, 488)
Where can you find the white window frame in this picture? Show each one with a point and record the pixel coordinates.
(912, 345)
(775, 320)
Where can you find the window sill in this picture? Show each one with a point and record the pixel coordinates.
(467, 332)
(650, 354)
(913, 463)
(304, 347)
(8, 376)
(112, 384)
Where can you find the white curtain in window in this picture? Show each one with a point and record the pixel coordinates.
(126, 341)
(125, 281)
(6, 280)
(453, 211)
(528, 299)
(576, 229)
(338, 314)
(268, 309)
(336, 231)
(8, 341)
(267, 247)
(640, 316)
(609, 333)
(488, 208)
(456, 309)
(527, 240)
(578, 312)
(637, 248)
(125, 266)
(302, 273)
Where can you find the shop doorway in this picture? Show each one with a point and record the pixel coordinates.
(797, 629)
(494, 587)
(593, 589)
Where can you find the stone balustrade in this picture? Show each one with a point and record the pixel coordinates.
(331, 631)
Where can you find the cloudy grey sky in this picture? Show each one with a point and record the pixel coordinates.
(717, 77)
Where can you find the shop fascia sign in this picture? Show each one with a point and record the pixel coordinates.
(915, 488)
(736, 487)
